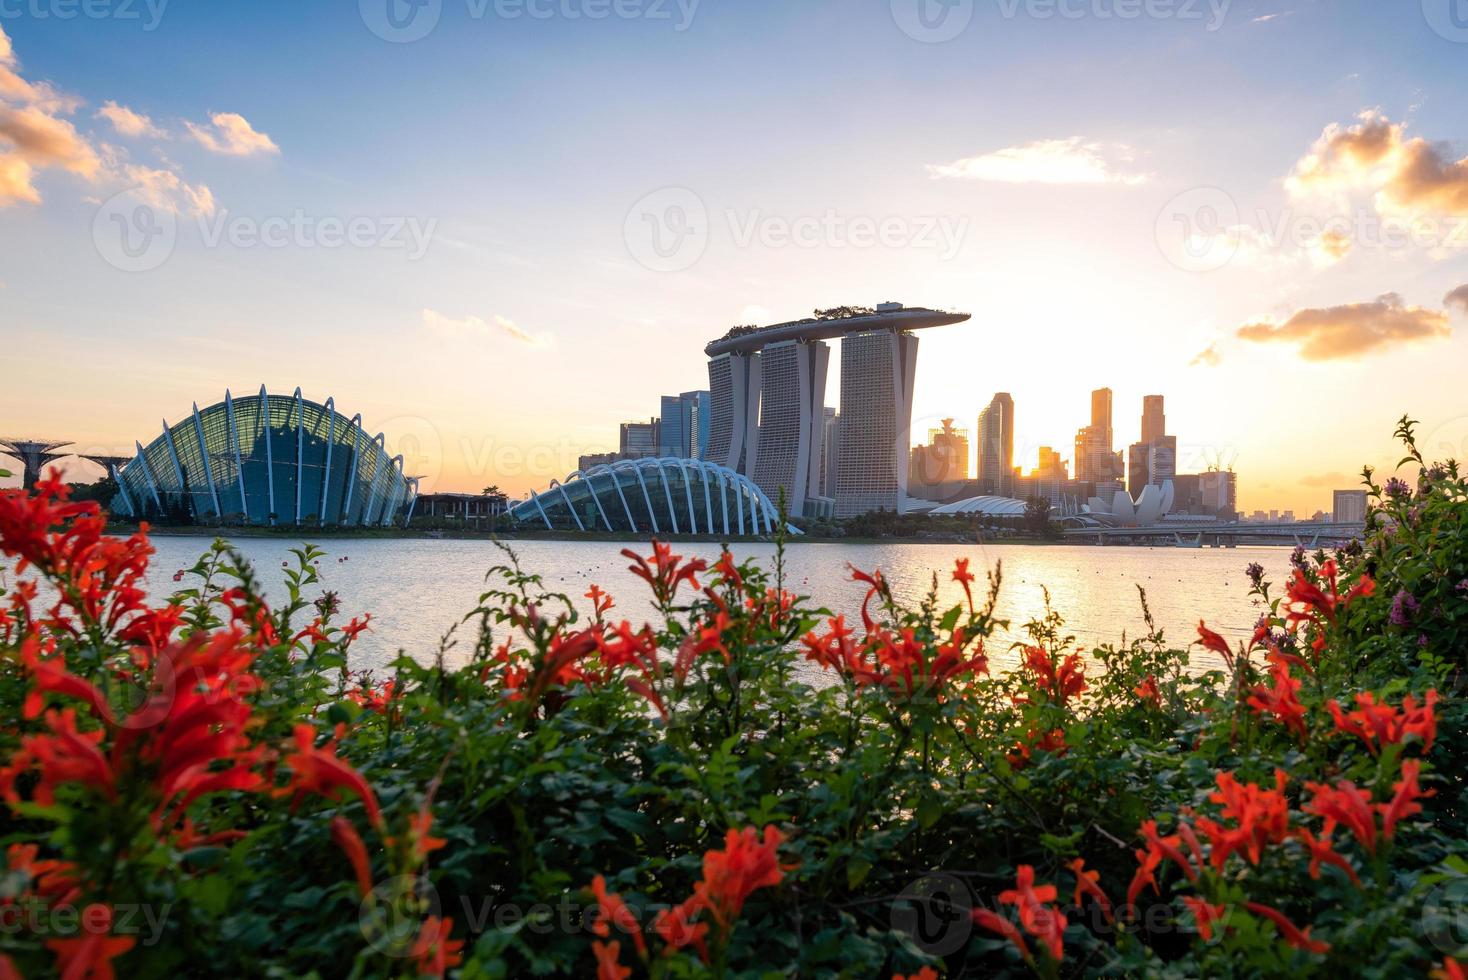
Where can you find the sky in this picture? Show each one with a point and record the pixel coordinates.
(498, 228)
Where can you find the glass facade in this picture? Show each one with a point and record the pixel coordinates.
(266, 459)
(652, 496)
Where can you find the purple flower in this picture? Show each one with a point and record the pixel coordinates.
(1463, 585)
(1297, 558)
(1397, 488)
(1255, 571)
(1422, 639)
(1404, 605)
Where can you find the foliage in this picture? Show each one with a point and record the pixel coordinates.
(204, 783)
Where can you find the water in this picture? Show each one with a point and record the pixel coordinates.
(416, 589)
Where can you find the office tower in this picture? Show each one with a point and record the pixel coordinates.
(1051, 466)
(1349, 507)
(1095, 460)
(1154, 421)
(996, 444)
(734, 389)
(830, 435)
(1219, 490)
(639, 438)
(683, 427)
(943, 460)
(792, 403)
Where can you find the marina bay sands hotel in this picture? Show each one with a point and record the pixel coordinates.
(768, 393)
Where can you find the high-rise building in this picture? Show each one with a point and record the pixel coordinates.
(683, 429)
(877, 372)
(1051, 467)
(830, 435)
(1349, 506)
(1095, 460)
(943, 460)
(1154, 420)
(767, 388)
(996, 444)
(639, 438)
(792, 403)
(1219, 490)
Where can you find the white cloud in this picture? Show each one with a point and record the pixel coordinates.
(128, 123)
(1055, 161)
(231, 134)
(472, 326)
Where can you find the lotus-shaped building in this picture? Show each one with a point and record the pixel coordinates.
(267, 459)
(1151, 506)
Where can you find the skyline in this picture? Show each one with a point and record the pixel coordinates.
(506, 182)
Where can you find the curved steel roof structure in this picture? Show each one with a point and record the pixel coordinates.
(653, 495)
(986, 505)
(267, 459)
(812, 328)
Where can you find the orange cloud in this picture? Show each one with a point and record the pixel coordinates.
(1407, 174)
(33, 136)
(231, 134)
(129, 123)
(1343, 332)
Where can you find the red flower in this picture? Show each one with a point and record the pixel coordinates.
(664, 572)
(1345, 804)
(600, 602)
(964, 577)
(435, 950)
(1309, 601)
(319, 771)
(998, 923)
(64, 756)
(350, 842)
(1060, 683)
(91, 955)
(1261, 816)
(1379, 724)
(926, 973)
(745, 864)
(1052, 742)
(1039, 920)
(1288, 931)
(608, 966)
(1148, 692)
(1404, 803)
(1216, 643)
(729, 572)
(1322, 851)
(676, 926)
(1086, 884)
(1204, 914)
(875, 587)
(1281, 700)
(1450, 970)
(612, 911)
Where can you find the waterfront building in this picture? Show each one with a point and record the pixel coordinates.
(683, 427)
(767, 412)
(1219, 492)
(830, 436)
(1094, 458)
(652, 495)
(1349, 506)
(638, 439)
(267, 459)
(996, 444)
(469, 508)
(943, 460)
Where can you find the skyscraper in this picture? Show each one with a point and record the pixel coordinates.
(734, 388)
(830, 436)
(683, 430)
(1154, 421)
(943, 460)
(996, 444)
(792, 400)
(639, 438)
(1095, 460)
(877, 371)
(1153, 460)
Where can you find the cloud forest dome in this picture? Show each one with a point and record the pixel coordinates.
(267, 459)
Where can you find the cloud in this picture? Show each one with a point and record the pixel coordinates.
(1063, 161)
(1342, 332)
(1269, 17)
(167, 190)
(1208, 357)
(33, 134)
(1406, 174)
(1457, 299)
(231, 134)
(472, 326)
(1331, 479)
(129, 123)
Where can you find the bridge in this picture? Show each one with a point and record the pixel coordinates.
(1190, 534)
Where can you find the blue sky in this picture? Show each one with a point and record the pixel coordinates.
(1052, 150)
